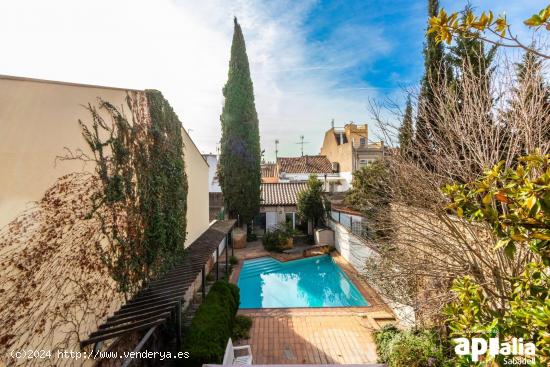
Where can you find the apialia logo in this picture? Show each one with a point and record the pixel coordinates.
(477, 347)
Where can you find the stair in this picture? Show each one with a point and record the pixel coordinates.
(253, 268)
(196, 301)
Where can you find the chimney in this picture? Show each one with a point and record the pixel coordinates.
(332, 124)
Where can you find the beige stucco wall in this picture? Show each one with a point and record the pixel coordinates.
(39, 118)
(197, 196)
(337, 153)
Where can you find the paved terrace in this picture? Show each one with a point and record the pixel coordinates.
(314, 335)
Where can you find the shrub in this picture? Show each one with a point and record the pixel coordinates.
(383, 338)
(233, 260)
(212, 325)
(242, 327)
(279, 239)
(310, 202)
(409, 348)
(276, 240)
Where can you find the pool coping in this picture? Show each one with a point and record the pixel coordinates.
(375, 302)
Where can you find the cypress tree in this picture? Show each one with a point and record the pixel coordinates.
(406, 130)
(239, 166)
(468, 55)
(436, 73)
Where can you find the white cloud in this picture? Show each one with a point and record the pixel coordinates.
(182, 48)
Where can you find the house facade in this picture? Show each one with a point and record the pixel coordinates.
(348, 149)
(278, 204)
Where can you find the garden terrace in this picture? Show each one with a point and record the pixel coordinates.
(163, 298)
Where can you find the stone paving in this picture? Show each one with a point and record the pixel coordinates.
(314, 335)
(309, 337)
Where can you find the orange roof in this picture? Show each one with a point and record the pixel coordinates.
(305, 164)
(281, 193)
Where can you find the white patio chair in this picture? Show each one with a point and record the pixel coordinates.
(229, 358)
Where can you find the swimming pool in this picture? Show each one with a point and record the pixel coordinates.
(310, 282)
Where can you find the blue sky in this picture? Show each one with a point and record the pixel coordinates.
(311, 61)
(366, 40)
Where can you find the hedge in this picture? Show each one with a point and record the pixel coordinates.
(212, 326)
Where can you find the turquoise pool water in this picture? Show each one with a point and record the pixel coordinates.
(311, 282)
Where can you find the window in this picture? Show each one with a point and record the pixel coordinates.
(289, 219)
(362, 141)
(365, 162)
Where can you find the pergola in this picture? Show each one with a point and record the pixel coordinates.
(161, 300)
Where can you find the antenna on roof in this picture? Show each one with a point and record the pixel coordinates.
(276, 150)
(302, 142)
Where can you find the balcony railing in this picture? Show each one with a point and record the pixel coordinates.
(354, 223)
(369, 146)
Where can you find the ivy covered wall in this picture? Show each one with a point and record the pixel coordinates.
(139, 160)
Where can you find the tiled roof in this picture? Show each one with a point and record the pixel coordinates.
(281, 193)
(305, 164)
(268, 170)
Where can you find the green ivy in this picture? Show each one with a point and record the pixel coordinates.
(143, 202)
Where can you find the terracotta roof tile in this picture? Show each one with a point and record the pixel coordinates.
(305, 164)
(281, 193)
(268, 170)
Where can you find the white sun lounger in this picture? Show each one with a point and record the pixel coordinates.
(229, 358)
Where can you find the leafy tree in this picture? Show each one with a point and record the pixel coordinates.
(369, 191)
(310, 201)
(370, 195)
(239, 168)
(446, 27)
(406, 129)
(515, 202)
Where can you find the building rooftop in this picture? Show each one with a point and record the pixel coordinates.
(281, 193)
(305, 164)
(268, 170)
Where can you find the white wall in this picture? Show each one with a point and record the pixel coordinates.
(347, 176)
(213, 183)
(354, 250)
(271, 220)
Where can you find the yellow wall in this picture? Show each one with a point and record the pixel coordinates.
(197, 196)
(39, 118)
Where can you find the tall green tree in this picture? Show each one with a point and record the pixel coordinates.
(406, 130)
(469, 56)
(239, 167)
(436, 73)
(310, 201)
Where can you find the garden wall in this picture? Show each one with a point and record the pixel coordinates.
(352, 248)
(54, 288)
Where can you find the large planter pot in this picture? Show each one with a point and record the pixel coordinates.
(288, 244)
(239, 238)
